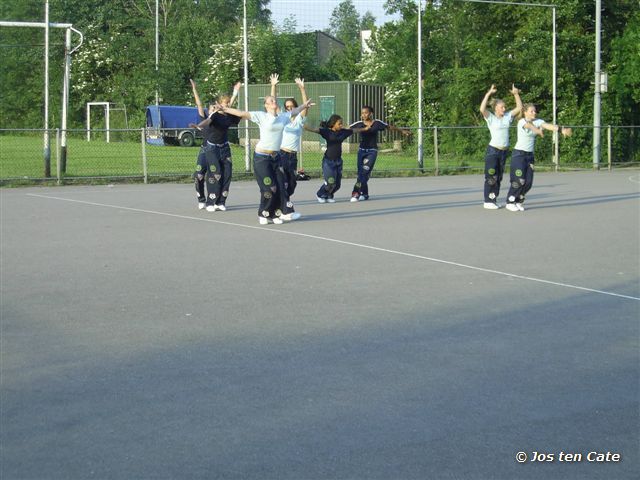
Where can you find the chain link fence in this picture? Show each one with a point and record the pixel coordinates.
(27, 156)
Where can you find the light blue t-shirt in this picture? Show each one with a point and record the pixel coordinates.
(271, 127)
(292, 133)
(499, 128)
(526, 138)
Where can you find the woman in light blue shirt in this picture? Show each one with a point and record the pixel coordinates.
(522, 158)
(266, 158)
(498, 149)
(291, 137)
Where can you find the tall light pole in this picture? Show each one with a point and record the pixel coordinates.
(596, 90)
(420, 133)
(47, 148)
(157, 52)
(247, 146)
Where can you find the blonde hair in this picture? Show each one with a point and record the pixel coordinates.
(496, 101)
(525, 107)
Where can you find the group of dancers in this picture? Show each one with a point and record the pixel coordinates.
(522, 159)
(275, 159)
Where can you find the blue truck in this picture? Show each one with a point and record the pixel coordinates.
(169, 124)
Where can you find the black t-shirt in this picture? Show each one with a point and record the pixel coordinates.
(369, 139)
(216, 130)
(334, 141)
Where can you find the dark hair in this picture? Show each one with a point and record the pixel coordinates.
(331, 122)
(368, 107)
(292, 100)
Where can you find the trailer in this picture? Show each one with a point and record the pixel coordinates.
(169, 124)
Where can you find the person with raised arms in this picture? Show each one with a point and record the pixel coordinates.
(495, 157)
(291, 137)
(266, 158)
(214, 166)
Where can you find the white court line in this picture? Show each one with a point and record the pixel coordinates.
(343, 242)
(634, 180)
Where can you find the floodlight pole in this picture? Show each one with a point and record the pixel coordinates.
(556, 150)
(247, 145)
(47, 148)
(157, 51)
(596, 90)
(420, 133)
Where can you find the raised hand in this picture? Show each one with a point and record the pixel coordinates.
(274, 79)
(300, 82)
(492, 89)
(514, 90)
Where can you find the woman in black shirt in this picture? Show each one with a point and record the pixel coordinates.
(334, 134)
(368, 151)
(217, 153)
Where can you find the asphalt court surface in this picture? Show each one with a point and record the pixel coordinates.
(414, 335)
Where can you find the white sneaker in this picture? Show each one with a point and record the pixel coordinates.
(222, 208)
(362, 198)
(354, 199)
(263, 221)
(278, 221)
(201, 205)
(321, 200)
(211, 208)
(331, 200)
(520, 207)
(290, 216)
(491, 206)
(512, 207)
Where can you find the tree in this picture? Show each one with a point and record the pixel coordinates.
(345, 22)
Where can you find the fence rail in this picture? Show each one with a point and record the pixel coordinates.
(25, 158)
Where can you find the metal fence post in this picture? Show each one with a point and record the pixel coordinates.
(144, 154)
(435, 150)
(609, 146)
(58, 158)
(556, 152)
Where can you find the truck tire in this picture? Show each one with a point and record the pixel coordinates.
(187, 139)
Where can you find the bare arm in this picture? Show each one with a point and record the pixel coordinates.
(516, 95)
(274, 81)
(538, 131)
(236, 112)
(197, 98)
(403, 131)
(565, 131)
(302, 108)
(485, 100)
(204, 122)
(311, 129)
(303, 92)
(236, 91)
